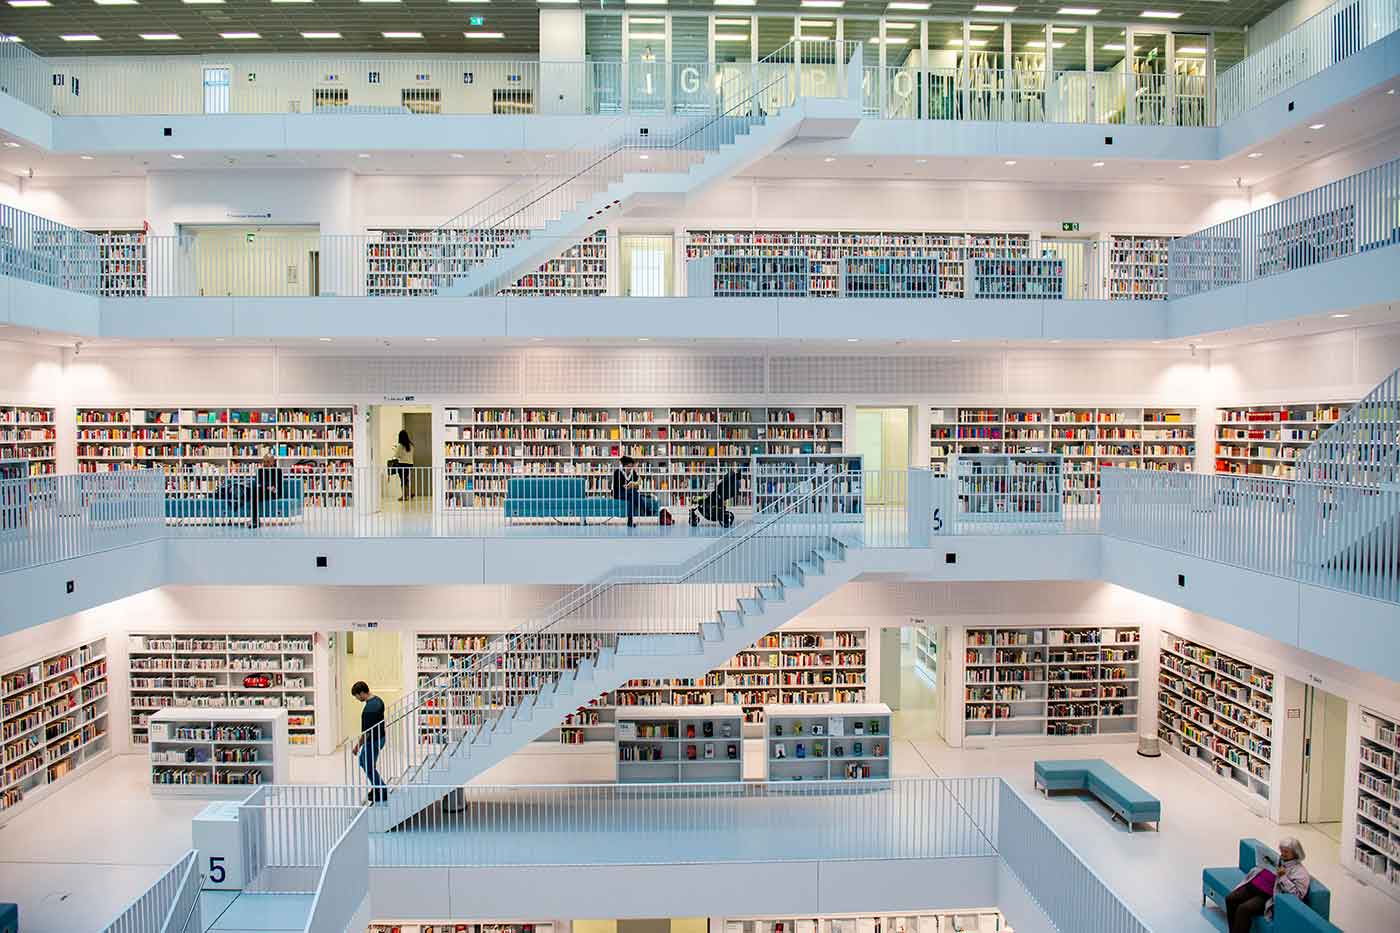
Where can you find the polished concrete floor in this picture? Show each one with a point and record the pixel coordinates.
(75, 859)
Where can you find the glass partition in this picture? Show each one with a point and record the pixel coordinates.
(1149, 103)
(733, 39)
(646, 63)
(945, 51)
(901, 76)
(1189, 74)
(1067, 84)
(1109, 95)
(1025, 99)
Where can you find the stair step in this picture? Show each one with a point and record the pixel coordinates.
(751, 607)
(711, 631)
(771, 593)
(809, 568)
(789, 581)
(831, 554)
(730, 618)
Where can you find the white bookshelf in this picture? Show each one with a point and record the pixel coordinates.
(199, 447)
(1265, 440)
(778, 475)
(1009, 487)
(1137, 267)
(889, 276)
(1020, 277)
(121, 263)
(1030, 684)
(681, 450)
(950, 253)
(1376, 850)
(221, 672)
(29, 433)
(216, 753)
(988, 920)
(724, 275)
(1217, 711)
(680, 744)
(458, 926)
(827, 742)
(1086, 437)
(924, 645)
(418, 261)
(53, 721)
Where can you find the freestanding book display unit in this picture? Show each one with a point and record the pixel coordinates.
(217, 752)
(680, 744)
(828, 742)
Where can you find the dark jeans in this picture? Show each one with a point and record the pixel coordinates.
(639, 503)
(369, 764)
(1242, 906)
(405, 475)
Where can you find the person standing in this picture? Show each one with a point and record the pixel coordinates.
(267, 486)
(371, 740)
(403, 464)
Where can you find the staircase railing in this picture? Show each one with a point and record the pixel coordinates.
(1363, 447)
(456, 707)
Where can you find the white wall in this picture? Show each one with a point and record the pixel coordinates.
(93, 203)
(305, 197)
(30, 373)
(1340, 366)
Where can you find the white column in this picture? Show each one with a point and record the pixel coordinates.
(561, 40)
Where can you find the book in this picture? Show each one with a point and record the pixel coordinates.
(709, 750)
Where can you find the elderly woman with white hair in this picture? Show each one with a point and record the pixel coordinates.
(1254, 897)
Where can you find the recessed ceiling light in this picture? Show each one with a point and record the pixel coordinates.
(201, 2)
(736, 2)
(1160, 14)
(560, 2)
(731, 37)
(1056, 340)
(86, 158)
(984, 27)
(364, 155)
(379, 1)
(457, 155)
(908, 6)
(829, 159)
(115, 2)
(1183, 166)
(160, 36)
(1040, 44)
(1191, 50)
(430, 339)
(11, 145)
(484, 35)
(1316, 126)
(644, 340)
(645, 2)
(853, 340)
(901, 26)
(1079, 11)
(1009, 162)
(1256, 155)
(176, 155)
(536, 339)
(922, 161)
(1065, 30)
(971, 43)
(290, 1)
(25, 3)
(1341, 315)
(81, 37)
(402, 35)
(320, 35)
(1115, 47)
(824, 4)
(815, 23)
(324, 339)
(239, 35)
(645, 157)
(891, 40)
(1098, 165)
(957, 340)
(993, 8)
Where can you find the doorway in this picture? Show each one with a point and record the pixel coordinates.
(254, 261)
(376, 657)
(647, 264)
(882, 440)
(1081, 257)
(1318, 764)
(913, 679)
(400, 489)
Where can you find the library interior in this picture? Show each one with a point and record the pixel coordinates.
(699, 466)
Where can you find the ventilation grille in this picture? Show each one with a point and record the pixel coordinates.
(172, 376)
(886, 375)
(642, 373)
(1122, 376)
(369, 375)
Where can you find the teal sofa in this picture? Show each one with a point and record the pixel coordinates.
(230, 506)
(558, 498)
(1128, 801)
(1290, 914)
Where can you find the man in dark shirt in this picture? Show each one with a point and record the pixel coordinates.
(267, 486)
(371, 740)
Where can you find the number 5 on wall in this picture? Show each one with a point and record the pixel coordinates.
(216, 869)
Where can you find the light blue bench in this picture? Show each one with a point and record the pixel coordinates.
(558, 498)
(1098, 777)
(1290, 914)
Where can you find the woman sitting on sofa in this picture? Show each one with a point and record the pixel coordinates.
(1254, 897)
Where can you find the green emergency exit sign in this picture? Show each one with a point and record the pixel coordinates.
(1069, 226)
(477, 21)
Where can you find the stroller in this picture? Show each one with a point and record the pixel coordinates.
(711, 508)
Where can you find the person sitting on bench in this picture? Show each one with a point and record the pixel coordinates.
(626, 485)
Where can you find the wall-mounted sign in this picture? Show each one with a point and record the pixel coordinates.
(248, 215)
(1069, 226)
(476, 21)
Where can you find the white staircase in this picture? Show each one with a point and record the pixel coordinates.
(638, 622)
(641, 162)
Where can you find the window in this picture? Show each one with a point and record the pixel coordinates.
(324, 98)
(216, 89)
(421, 99)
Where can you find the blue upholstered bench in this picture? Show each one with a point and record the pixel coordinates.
(9, 918)
(1098, 777)
(558, 498)
(1290, 914)
(225, 508)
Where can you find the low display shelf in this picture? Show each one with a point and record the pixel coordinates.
(840, 478)
(728, 276)
(924, 921)
(827, 742)
(1042, 278)
(221, 672)
(1377, 840)
(53, 720)
(1063, 681)
(28, 433)
(1137, 268)
(216, 753)
(680, 744)
(1009, 487)
(1218, 711)
(454, 926)
(889, 277)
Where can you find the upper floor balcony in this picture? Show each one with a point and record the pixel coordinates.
(1070, 71)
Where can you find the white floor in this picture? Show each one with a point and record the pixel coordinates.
(75, 859)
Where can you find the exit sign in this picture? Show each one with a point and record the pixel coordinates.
(477, 21)
(1069, 226)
